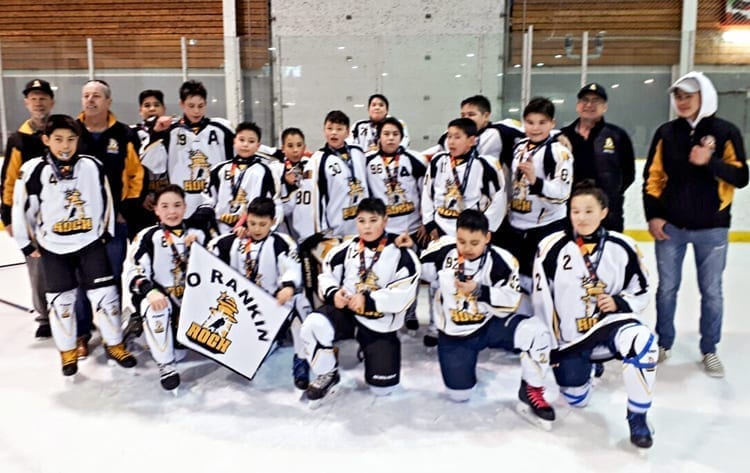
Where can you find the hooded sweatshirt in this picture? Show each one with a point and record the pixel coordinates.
(686, 195)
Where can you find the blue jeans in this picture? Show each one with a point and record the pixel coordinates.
(710, 249)
(116, 251)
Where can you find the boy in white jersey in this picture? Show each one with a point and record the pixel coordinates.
(188, 148)
(236, 183)
(155, 273)
(590, 288)
(367, 284)
(476, 302)
(64, 210)
(295, 156)
(269, 260)
(365, 132)
(542, 173)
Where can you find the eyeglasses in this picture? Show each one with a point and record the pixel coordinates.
(591, 100)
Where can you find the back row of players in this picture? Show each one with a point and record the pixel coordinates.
(586, 284)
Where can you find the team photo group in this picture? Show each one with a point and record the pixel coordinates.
(198, 235)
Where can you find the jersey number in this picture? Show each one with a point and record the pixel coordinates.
(303, 197)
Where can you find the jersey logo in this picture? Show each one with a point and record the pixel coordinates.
(214, 332)
(397, 203)
(454, 201)
(609, 145)
(520, 202)
(356, 191)
(77, 222)
(199, 170)
(593, 289)
(235, 206)
(113, 147)
(466, 311)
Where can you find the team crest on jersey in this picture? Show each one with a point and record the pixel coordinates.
(178, 281)
(199, 172)
(609, 145)
(213, 334)
(113, 147)
(77, 222)
(519, 201)
(454, 201)
(235, 206)
(397, 203)
(466, 311)
(594, 288)
(369, 284)
(356, 191)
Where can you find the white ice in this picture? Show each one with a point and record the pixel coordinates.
(112, 421)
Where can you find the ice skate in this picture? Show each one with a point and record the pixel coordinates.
(323, 387)
(430, 339)
(69, 362)
(640, 432)
(117, 354)
(301, 372)
(134, 328)
(43, 331)
(533, 407)
(169, 377)
(411, 323)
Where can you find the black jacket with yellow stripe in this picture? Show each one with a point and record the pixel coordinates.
(23, 145)
(690, 196)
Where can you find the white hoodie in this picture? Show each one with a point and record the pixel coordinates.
(709, 97)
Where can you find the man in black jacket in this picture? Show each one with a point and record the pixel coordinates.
(603, 151)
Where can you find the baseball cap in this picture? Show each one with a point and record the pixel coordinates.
(593, 88)
(40, 85)
(689, 85)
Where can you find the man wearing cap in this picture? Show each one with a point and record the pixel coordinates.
(603, 152)
(23, 145)
(694, 165)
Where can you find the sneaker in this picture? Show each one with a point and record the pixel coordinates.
(301, 372)
(534, 398)
(168, 376)
(640, 433)
(712, 365)
(82, 347)
(43, 331)
(664, 354)
(121, 355)
(321, 385)
(69, 362)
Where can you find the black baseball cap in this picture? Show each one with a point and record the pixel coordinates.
(40, 85)
(593, 88)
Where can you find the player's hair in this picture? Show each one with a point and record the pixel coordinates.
(252, 126)
(61, 122)
(173, 188)
(291, 131)
(467, 125)
(191, 88)
(104, 85)
(541, 105)
(589, 187)
(479, 101)
(473, 220)
(157, 94)
(262, 207)
(378, 96)
(338, 117)
(372, 205)
(391, 121)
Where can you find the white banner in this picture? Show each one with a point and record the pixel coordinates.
(226, 317)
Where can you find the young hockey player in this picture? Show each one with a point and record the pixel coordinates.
(542, 173)
(590, 288)
(295, 157)
(269, 260)
(187, 149)
(367, 284)
(155, 275)
(476, 302)
(64, 212)
(365, 132)
(235, 183)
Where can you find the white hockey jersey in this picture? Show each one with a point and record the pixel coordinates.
(537, 205)
(61, 206)
(390, 284)
(272, 263)
(158, 256)
(365, 135)
(564, 292)
(234, 184)
(341, 186)
(479, 186)
(187, 152)
(498, 293)
(397, 181)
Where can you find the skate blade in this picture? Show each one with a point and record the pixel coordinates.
(175, 392)
(328, 399)
(525, 412)
(112, 363)
(72, 379)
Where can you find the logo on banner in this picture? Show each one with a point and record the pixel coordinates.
(213, 335)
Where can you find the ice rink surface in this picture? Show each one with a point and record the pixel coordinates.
(110, 420)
